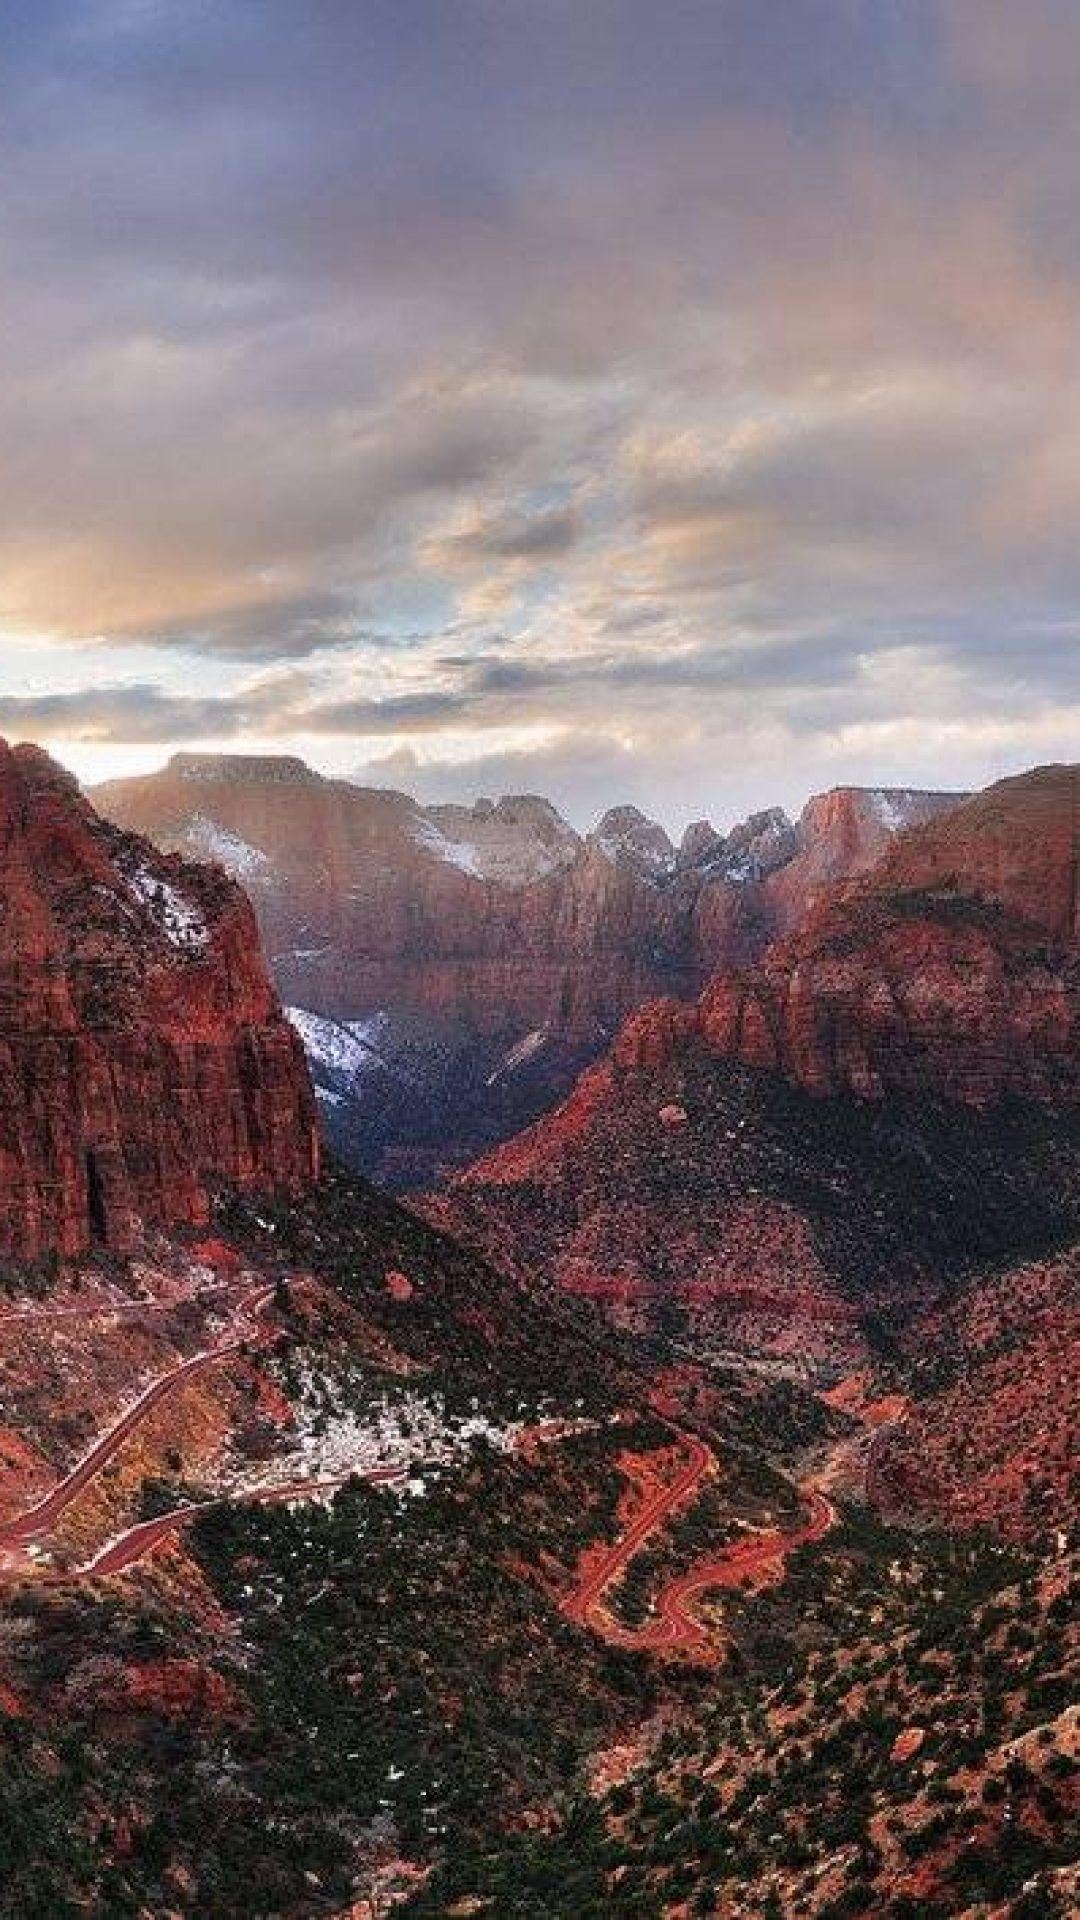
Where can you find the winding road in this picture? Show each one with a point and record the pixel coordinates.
(44, 1514)
(137, 1541)
(140, 1539)
(674, 1628)
(600, 1574)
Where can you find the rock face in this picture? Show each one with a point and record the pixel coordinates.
(841, 834)
(497, 917)
(989, 1435)
(476, 957)
(950, 972)
(629, 838)
(144, 1059)
(892, 1093)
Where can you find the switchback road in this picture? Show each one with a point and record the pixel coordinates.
(674, 1628)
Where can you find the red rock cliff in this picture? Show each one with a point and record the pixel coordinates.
(841, 834)
(498, 915)
(497, 949)
(143, 1055)
(950, 971)
(892, 1096)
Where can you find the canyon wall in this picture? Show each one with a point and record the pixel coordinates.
(144, 1059)
(454, 967)
(890, 1098)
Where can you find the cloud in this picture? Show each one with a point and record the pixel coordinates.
(478, 538)
(699, 381)
(269, 629)
(132, 714)
(397, 713)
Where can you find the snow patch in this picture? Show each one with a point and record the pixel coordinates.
(407, 1429)
(649, 860)
(525, 1050)
(510, 844)
(894, 808)
(208, 840)
(173, 915)
(345, 1049)
(457, 853)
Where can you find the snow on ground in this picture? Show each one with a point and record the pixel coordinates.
(897, 807)
(651, 860)
(518, 841)
(406, 1428)
(303, 954)
(208, 840)
(345, 1049)
(456, 853)
(173, 915)
(525, 1050)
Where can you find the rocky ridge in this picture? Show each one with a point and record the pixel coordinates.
(496, 949)
(823, 1142)
(144, 1059)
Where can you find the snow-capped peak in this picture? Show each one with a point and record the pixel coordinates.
(628, 837)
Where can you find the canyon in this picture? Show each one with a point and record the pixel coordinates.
(348, 1547)
(790, 1165)
(453, 968)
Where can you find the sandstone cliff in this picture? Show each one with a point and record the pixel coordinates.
(891, 1096)
(949, 972)
(841, 834)
(471, 960)
(144, 1059)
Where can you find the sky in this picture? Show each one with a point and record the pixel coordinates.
(675, 403)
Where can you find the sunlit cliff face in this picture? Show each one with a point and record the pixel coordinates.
(673, 400)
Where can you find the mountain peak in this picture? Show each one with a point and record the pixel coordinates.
(629, 838)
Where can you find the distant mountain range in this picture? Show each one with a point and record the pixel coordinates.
(808, 1165)
(451, 969)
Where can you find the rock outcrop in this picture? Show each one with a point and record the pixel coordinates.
(144, 1059)
(988, 1435)
(478, 957)
(893, 1093)
(629, 838)
(841, 834)
(949, 973)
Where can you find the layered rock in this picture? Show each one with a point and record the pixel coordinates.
(950, 972)
(478, 956)
(841, 834)
(987, 1436)
(497, 917)
(892, 1094)
(144, 1059)
(629, 838)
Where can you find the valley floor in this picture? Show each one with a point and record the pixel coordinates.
(334, 1627)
